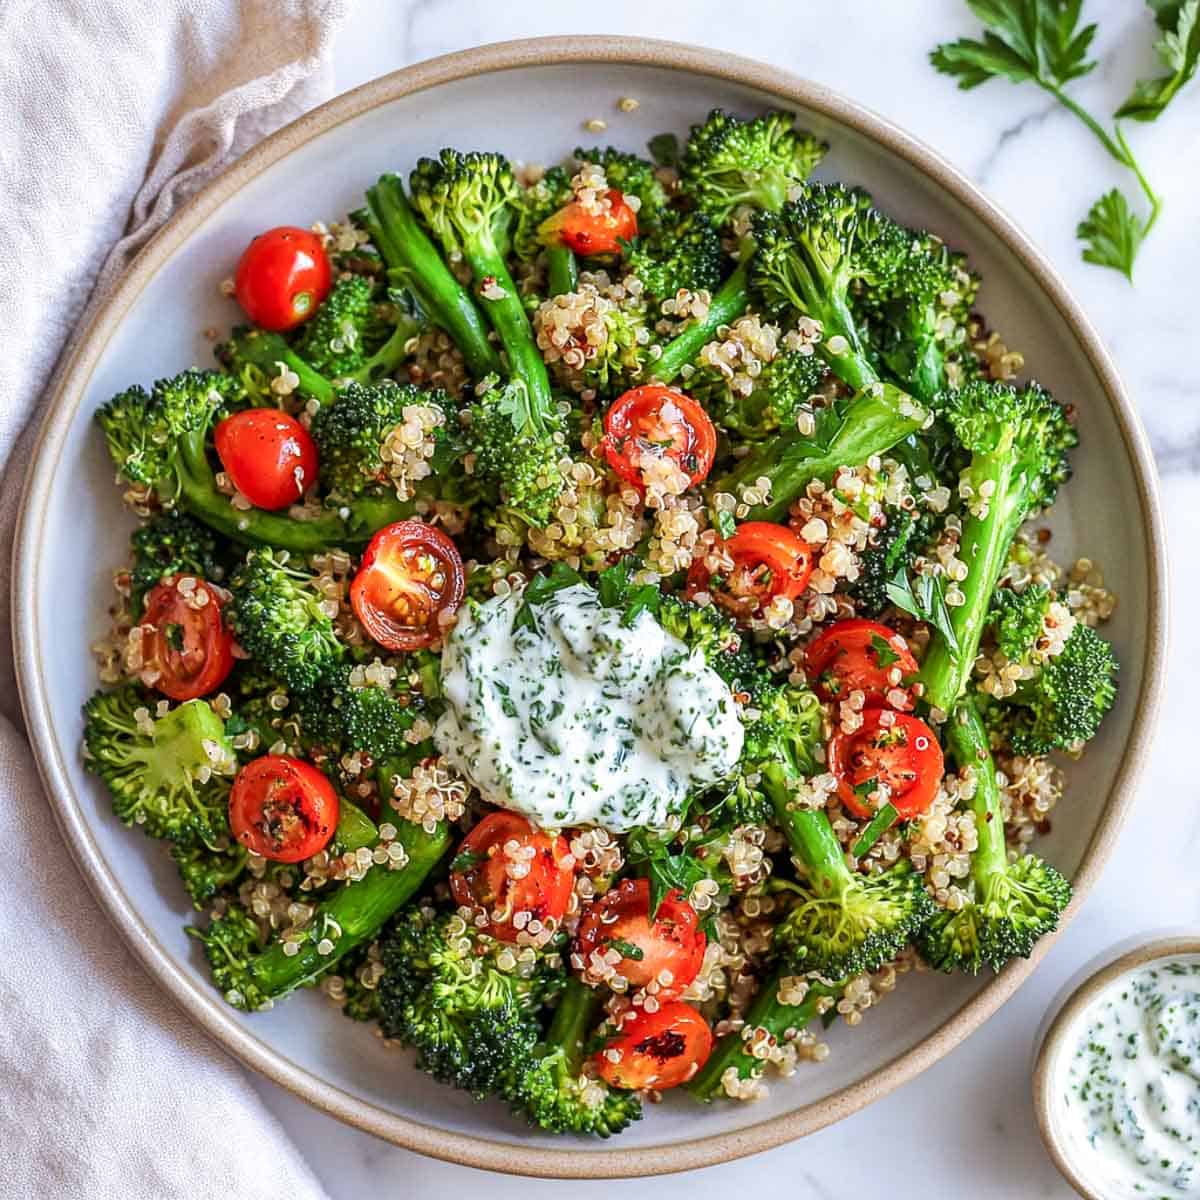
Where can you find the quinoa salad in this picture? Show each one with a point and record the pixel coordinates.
(596, 623)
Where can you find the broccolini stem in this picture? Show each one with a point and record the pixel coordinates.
(727, 305)
(406, 248)
(984, 546)
(354, 827)
(767, 1012)
(874, 420)
(562, 270)
(809, 834)
(576, 1014)
(353, 914)
(968, 740)
(266, 350)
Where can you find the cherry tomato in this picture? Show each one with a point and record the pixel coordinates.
(282, 277)
(270, 457)
(769, 560)
(891, 748)
(282, 808)
(673, 944)
(652, 423)
(588, 234)
(409, 583)
(859, 655)
(484, 874)
(185, 645)
(658, 1050)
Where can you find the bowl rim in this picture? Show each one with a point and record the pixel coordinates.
(202, 1004)
(1070, 1010)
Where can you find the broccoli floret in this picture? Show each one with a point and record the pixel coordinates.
(352, 435)
(844, 923)
(554, 1093)
(633, 176)
(728, 162)
(355, 336)
(707, 629)
(171, 543)
(468, 201)
(252, 971)
(1018, 439)
(783, 387)
(208, 873)
(1062, 706)
(1018, 618)
(413, 261)
(167, 774)
(1011, 905)
(278, 616)
(846, 433)
(517, 447)
(893, 547)
(256, 357)
(158, 440)
(683, 252)
(472, 1024)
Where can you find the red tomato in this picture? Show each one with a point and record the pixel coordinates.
(410, 581)
(587, 233)
(769, 560)
(270, 457)
(656, 422)
(658, 1050)
(859, 655)
(673, 943)
(892, 748)
(282, 277)
(485, 873)
(185, 644)
(282, 808)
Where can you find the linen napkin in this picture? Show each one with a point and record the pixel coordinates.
(113, 112)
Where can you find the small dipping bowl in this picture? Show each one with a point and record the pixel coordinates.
(1065, 1139)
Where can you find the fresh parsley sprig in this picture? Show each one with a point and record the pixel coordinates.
(1041, 42)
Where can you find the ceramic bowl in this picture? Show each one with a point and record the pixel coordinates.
(1055, 1042)
(529, 99)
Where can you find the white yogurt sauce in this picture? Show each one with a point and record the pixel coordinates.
(1128, 1092)
(582, 720)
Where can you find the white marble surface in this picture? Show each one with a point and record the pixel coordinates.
(966, 1126)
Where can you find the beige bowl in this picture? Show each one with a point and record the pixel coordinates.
(530, 99)
(1054, 1043)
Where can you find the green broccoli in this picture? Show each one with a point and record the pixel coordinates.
(252, 972)
(1011, 905)
(905, 536)
(728, 162)
(782, 389)
(171, 543)
(167, 774)
(843, 923)
(553, 1092)
(208, 873)
(1018, 440)
(683, 252)
(278, 615)
(254, 357)
(467, 201)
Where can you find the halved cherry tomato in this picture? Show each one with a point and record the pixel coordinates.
(769, 560)
(587, 233)
(859, 655)
(282, 808)
(654, 422)
(891, 748)
(270, 457)
(409, 583)
(282, 277)
(670, 949)
(486, 873)
(186, 650)
(659, 1050)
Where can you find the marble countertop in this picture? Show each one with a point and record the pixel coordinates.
(1046, 170)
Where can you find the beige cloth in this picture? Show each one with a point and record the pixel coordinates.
(112, 112)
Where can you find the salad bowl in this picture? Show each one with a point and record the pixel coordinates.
(531, 100)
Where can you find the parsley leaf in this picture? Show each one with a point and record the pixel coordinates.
(884, 654)
(1112, 233)
(1025, 41)
(726, 525)
(540, 588)
(1179, 49)
(926, 601)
